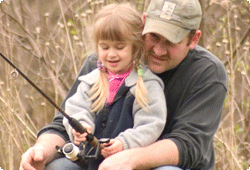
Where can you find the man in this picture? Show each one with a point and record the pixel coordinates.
(195, 88)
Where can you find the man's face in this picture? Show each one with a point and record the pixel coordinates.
(162, 55)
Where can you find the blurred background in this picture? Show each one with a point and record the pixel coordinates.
(49, 40)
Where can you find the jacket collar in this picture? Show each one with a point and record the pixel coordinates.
(93, 76)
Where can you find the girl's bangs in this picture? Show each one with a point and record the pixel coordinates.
(112, 30)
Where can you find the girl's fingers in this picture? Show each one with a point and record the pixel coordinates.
(78, 138)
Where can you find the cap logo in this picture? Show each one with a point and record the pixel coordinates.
(167, 10)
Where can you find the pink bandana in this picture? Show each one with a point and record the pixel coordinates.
(115, 82)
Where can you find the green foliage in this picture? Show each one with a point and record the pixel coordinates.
(238, 129)
(73, 32)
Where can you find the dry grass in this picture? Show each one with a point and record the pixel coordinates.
(48, 41)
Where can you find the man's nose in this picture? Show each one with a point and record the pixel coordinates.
(160, 49)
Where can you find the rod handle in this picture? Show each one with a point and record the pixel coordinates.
(79, 128)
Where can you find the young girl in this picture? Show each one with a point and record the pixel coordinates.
(121, 99)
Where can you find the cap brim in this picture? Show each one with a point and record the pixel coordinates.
(172, 33)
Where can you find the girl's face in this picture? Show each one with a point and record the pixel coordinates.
(116, 56)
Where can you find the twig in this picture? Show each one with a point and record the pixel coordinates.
(68, 37)
(237, 47)
(228, 148)
(25, 125)
(32, 42)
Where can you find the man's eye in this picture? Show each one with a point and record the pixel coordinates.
(169, 43)
(154, 36)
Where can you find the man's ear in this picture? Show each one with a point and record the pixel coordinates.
(144, 18)
(195, 39)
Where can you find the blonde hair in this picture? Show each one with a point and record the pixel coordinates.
(119, 22)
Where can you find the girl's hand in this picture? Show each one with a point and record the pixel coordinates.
(114, 146)
(78, 138)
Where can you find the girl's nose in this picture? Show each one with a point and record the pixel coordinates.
(112, 52)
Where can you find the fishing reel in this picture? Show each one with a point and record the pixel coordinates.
(79, 153)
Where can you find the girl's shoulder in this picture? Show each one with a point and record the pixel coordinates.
(150, 77)
(90, 78)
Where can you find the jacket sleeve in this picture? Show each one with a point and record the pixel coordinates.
(56, 126)
(78, 106)
(148, 126)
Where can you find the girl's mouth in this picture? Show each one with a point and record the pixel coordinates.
(113, 63)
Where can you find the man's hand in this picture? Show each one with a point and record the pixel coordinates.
(33, 159)
(118, 161)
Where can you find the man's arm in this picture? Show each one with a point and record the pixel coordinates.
(193, 133)
(163, 152)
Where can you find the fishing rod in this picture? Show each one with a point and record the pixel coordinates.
(90, 138)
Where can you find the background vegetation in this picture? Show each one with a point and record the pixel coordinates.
(48, 41)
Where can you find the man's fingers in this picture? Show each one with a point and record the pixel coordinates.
(33, 159)
(27, 160)
(26, 166)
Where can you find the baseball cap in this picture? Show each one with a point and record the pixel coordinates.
(173, 19)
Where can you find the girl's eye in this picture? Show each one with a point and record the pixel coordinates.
(120, 47)
(104, 47)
